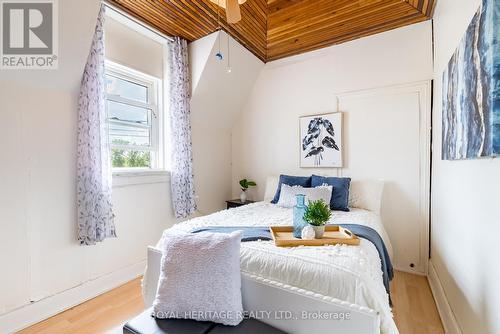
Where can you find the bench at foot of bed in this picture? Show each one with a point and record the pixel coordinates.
(146, 324)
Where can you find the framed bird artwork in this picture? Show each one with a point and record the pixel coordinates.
(321, 140)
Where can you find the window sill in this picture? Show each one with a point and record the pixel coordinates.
(127, 178)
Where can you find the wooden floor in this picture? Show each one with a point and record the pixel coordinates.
(104, 314)
(414, 310)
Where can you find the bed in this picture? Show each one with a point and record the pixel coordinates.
(328, 289)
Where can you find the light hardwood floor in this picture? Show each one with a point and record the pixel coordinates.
(103, 314)
(414, 310)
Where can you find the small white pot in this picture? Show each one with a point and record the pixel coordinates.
(318, 231)
(243, 196)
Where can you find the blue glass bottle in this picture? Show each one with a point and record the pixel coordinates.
(298, 216)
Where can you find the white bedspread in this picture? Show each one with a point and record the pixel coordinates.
(350, 273)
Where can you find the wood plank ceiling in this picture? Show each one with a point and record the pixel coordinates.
(274, 29)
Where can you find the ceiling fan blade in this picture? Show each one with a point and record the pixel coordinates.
(233, 13)
(220, 3)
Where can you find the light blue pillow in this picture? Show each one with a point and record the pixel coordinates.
(340, 193)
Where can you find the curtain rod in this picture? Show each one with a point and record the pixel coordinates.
(130, 17)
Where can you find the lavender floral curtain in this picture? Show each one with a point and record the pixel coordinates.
(95, 212)
(182, 184)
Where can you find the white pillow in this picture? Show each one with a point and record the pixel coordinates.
(288, 193)
(200, 278)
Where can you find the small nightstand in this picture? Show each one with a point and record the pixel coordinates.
(234, 203)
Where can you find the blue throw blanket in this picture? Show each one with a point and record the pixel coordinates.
(251, 233)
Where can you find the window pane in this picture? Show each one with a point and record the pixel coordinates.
(130, 159)
(127, 113)
(126, 89)
(122, 134)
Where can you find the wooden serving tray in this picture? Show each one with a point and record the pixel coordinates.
(334, 234)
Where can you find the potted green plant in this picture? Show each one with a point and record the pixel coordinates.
(317, 214)
(245, 184)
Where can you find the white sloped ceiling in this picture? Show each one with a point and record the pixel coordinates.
(217, 94)
(218, 98)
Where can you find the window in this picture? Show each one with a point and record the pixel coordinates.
(134, 119)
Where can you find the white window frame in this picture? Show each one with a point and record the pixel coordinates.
(155, 89)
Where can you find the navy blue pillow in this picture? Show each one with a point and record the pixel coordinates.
(340, 193)
(303, 181)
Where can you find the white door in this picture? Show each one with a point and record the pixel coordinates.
(387, 136)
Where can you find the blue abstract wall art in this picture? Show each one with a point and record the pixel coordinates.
(471, 90)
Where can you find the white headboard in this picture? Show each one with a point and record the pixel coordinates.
(366, 194)
(363, 194)
(271, 186)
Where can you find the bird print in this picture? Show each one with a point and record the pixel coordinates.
(314, 125)
(330, 143)
(309, 139)
(320, 136)
(329, 127)
(315, 151)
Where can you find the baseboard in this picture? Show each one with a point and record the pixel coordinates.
(448, 319)
(28, 315)
(410, 271)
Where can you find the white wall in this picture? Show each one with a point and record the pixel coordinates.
(465, 198)
(38, 136)
(265, 137)
(130, 48)
(34, 105)
(39, 253)
(45, 269)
